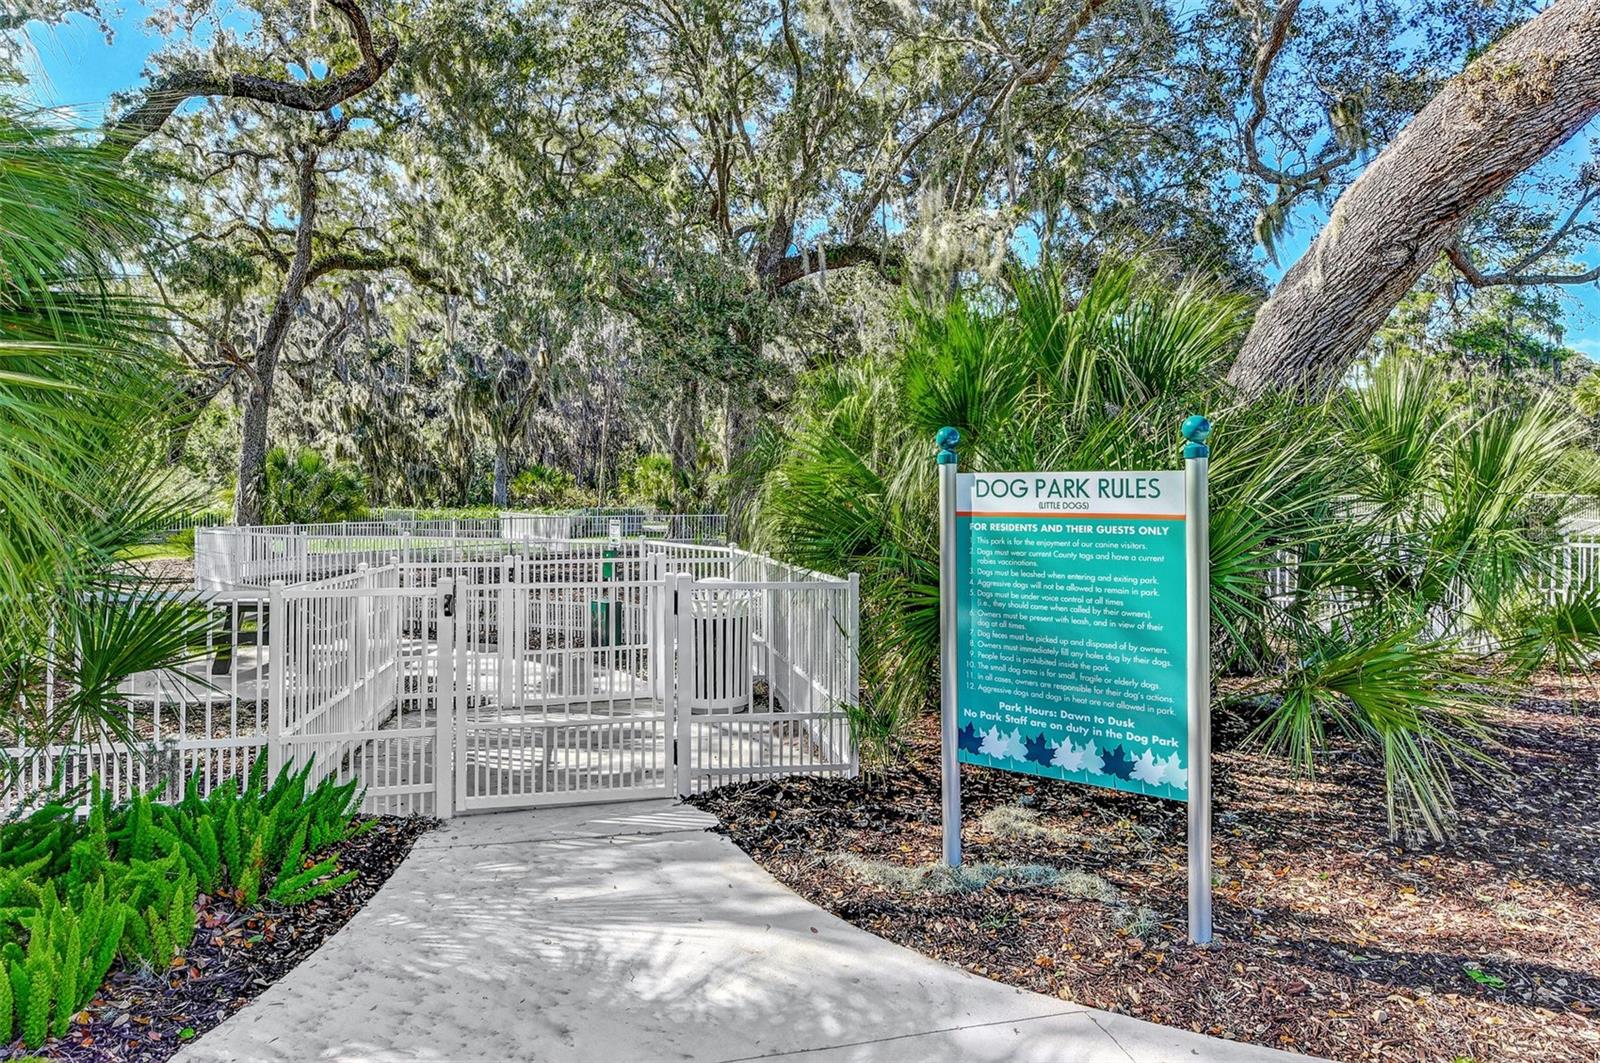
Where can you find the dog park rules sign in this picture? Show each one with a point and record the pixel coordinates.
(1071, 627)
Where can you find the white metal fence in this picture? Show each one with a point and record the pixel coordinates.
(207, 718)
(229, 557)
(1572, 565)
(193, 520)
(576, 670)
(1577, 565)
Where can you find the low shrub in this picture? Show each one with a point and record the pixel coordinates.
(77, 893)
(306, 487)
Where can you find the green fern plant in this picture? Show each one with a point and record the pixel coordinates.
(125, 881)
(7, 1009)
(310, 883)
(249, 882)
(17, 977)
(68, 978)
(232, 844)
(162, 946)
(36, 1019)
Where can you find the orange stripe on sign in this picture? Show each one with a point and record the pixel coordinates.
(1074, 516)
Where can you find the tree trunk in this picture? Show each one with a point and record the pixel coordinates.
(251, 491)
(605, 440)
(1508, 109)
(250, 498)
(502, 473)
(743, 422)
(685, 460)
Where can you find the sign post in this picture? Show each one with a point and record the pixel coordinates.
(1074, 622)
(950, 766)
(1197, 523)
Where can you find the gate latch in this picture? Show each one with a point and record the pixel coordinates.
(450, 603)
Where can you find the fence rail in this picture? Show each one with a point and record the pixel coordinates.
(193, 520)
(232, 557)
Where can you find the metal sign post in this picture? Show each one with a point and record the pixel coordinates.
(950, 774)
(1196, 458)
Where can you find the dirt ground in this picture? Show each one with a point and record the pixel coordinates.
(1331, 938)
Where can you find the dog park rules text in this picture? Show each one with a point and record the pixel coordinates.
(1071, 632)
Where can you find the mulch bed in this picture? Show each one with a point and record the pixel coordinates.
(1331, 938)
(147, 1016)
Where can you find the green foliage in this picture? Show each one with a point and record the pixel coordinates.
(1484, 978)
(1411, 699)
(655, 483)
(7, 1005)
(83, 395)
(306, 488)
(1586, 395)
(1413, 516)
(542, 487)
(71, 942)
(1563, 634)
(125, 880)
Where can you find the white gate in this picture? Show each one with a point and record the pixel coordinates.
(583, 677)
(563, 681)
(361, 676)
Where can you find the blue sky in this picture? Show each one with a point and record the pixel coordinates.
(1582, 303)
(73, 67)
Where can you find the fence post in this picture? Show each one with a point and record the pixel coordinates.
(660, 592)
(682, 596)
(504, 629)
(361, 678)
(446, 755)
(768, 668)
(853, 665)
(278, 665)
(950, 774)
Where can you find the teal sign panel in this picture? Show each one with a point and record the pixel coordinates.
(1071, 614)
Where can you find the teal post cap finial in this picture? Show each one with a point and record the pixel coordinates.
(946, 438)
(1196, 429)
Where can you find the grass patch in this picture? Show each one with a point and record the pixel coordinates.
(937, 878)
(1023, 824)
(162, 551)
(1005, 822)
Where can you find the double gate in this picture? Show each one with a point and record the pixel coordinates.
(566, 677)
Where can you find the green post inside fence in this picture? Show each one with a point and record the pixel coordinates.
(605, 622)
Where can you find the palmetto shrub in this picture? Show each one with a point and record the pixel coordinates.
(305, 487)
(85, 396)
(1365, 549)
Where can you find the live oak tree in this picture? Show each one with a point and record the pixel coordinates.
(700, 168)
(287, 90)
(292, 204)
(696, 181)
(1523, 96)
(287, 61)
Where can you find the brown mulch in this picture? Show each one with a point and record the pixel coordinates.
(142, 1016)
(1331, 938)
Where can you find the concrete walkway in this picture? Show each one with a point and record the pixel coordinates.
(627, 932)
